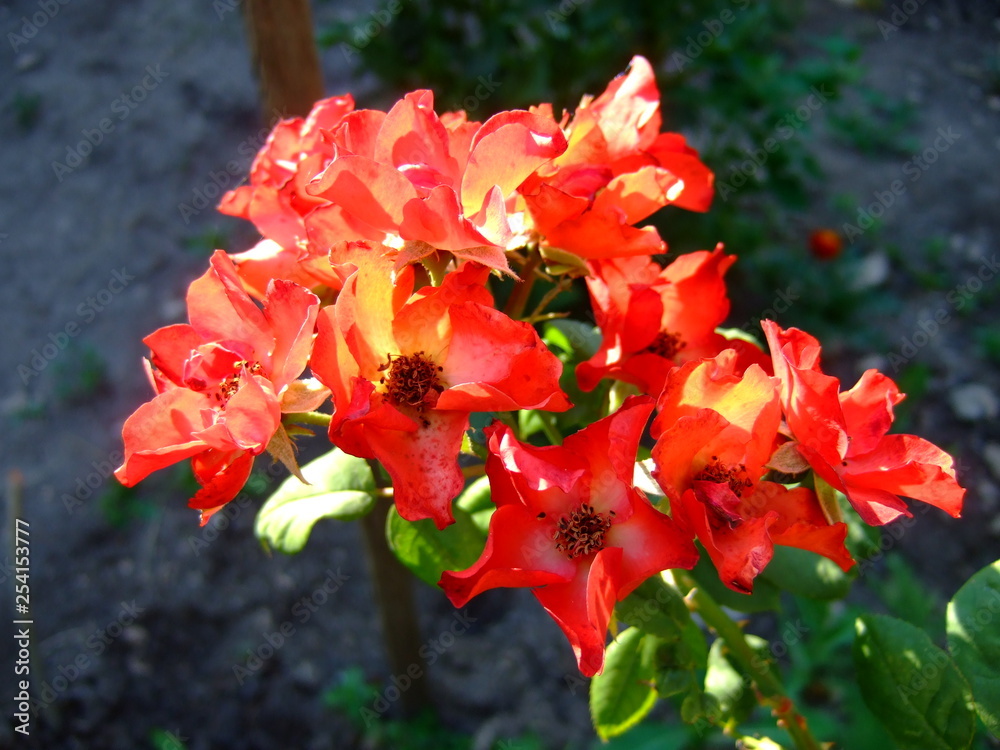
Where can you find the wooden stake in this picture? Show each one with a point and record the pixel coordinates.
(284, 53)
(393, 585)
(281, 38)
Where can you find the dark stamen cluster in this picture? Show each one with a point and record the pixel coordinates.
(735, 477)
(411, 380)
(582, 532)
(229, 386)
(667, 345)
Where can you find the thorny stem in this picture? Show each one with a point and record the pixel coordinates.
(546, 316)
(519, 296)
(548, 422)
(561, 286)
(771, 691)
(394, 597)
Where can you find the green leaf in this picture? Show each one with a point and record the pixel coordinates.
(622, 695)
(340, 486)
(762, 743)
(429, 551)
(765, 596)
(477, 500)
(560, 261)
(738, 334)
(678, 662)
(974, 640)
(829, 499)
(912, 686)
(694, 647)
(862, 540)
(582, 339)
(656, 608)
(648, 736)
(673, 681)
(700, 709)
(729, 685)
(906, 595)
(807, 574)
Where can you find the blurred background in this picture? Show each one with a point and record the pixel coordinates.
(870, 220)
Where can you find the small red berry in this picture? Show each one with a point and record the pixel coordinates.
(825, 244)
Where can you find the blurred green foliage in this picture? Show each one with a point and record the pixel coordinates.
(27, 109)
(988, 339)
(741, 79)
(121, 505)
(80, 374)
(732, 72)
(353, 696)
(205, 242)
(812, 641)
(161, 739)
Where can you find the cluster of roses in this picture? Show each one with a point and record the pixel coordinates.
(380, 233)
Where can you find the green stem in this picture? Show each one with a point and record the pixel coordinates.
(548, 422)
(309, 417)
(519, 296)
(768, 683)
(550, 295)
(510, 419)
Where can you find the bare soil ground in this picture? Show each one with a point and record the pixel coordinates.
(118, 115)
